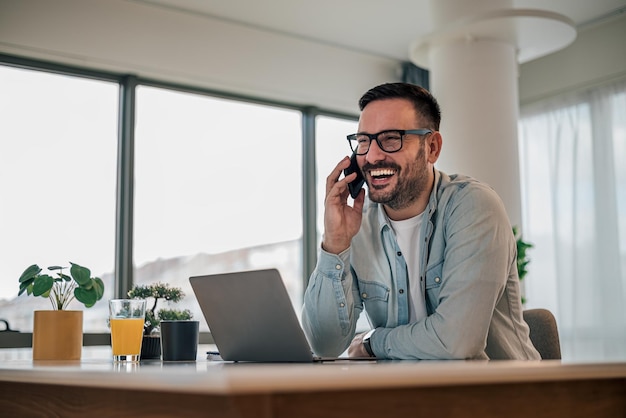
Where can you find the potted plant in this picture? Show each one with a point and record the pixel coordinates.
(151, 346)
(58, 333)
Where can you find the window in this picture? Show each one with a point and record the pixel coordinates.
(218, 188)
(58, 141)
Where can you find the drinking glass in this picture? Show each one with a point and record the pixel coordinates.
(126, 317)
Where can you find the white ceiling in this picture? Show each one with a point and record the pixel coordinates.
(385, 28)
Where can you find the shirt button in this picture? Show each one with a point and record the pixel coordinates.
(338, 267)
(401, 291)
(399, 253)
(342, 304)
(437, 279)
(364, 295)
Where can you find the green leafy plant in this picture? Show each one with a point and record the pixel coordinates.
(62, 289)
(174, 315)
(157, 292)
(522, 256)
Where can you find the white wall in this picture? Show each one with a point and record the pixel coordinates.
(128, 37)
(597, 56)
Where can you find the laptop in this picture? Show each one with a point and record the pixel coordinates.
(251, 317)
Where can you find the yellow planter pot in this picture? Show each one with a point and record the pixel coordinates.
(57, 335)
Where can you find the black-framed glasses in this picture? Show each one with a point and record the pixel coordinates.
(388, 141)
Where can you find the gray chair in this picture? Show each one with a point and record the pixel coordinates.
(544, 333)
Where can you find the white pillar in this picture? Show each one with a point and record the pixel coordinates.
(475, 82)
(473, 57)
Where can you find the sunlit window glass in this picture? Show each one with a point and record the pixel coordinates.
(58, 141)
(217, 189)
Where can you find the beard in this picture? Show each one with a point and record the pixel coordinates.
(409, 186)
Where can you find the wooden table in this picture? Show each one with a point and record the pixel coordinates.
(101, 388)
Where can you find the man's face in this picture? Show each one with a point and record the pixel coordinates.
(394, 179)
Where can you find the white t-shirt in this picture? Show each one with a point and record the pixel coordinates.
(407, 234)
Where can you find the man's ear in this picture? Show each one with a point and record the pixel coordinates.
(433, 146)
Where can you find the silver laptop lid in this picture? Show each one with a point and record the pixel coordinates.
(251, 317)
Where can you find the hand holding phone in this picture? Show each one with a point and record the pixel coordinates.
(356, 185)
(342, 218)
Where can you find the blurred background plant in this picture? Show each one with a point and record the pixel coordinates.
(522, 256)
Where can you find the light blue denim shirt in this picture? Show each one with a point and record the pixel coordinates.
(468, 274)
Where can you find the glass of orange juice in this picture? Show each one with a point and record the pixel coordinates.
(126, 317)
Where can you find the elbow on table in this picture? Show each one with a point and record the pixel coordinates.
(464, 349)
(326, 345)
(323, 349)
(324, 342)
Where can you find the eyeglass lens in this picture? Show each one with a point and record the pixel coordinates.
(388, 141)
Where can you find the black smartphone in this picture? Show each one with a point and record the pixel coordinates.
(356, 185)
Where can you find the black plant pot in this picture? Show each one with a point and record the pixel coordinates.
(151, 348)
(179, 340)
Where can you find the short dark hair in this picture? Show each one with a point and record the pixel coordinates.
(424, 103)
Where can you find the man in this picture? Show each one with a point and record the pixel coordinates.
(430, 256)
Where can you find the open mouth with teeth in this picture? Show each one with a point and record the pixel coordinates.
(382, 172)
(381, 176)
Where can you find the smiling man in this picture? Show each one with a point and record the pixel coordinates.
(430, 257)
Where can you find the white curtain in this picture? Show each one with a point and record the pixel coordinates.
(573, 175)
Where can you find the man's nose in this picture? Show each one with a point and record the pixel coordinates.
(375, 153)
